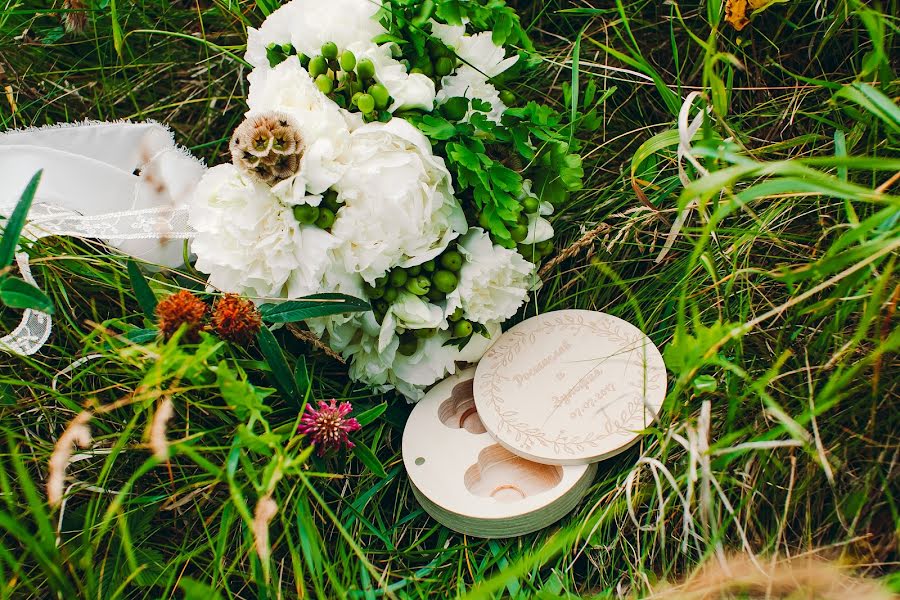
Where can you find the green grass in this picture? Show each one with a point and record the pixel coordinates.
(775, 305)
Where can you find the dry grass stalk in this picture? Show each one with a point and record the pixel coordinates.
(804, 577)
(310, 338)
(76, 434)
(576, 248)
(265, 511)
(158, 442)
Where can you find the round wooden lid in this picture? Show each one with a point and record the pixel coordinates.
(570, 387)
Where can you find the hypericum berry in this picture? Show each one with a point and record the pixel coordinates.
(306, 214)
(507, 97)
(325, 83)
(462, 329)
(380, 94)
(365, 69)
(531, 205)
(518, 232)
(457, 314)
(325, 219)
(318, 66)
(181, 309)
(329, 426)
(366, 103)
(452, 260)
(429, 266)
(443, 66)
(330, 50)
(544, 248)
(398, 278)
(348, 61)
(445, 281)
(236, 319)
(391, 294)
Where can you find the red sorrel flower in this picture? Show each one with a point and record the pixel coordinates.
(179, 309)
(236, 319)
(329, 425)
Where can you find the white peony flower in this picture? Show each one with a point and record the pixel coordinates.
(493, 282)
(249, 242)
(399, 208)
(478, 51)
(326, 137)
(469, 83)
(307, 24)
(409, 90)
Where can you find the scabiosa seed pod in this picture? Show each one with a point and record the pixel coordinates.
(182, 308)
(329, 427)
(235, 319)
(268, 146)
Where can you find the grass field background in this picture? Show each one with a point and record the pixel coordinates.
(774, 300)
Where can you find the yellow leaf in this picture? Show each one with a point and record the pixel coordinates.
(738, 12)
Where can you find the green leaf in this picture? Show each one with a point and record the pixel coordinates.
(145, 296)
(17, 293)
(301, 375)
(281, 371)
(239, 395)
(370, 415)
(13, 228)
(436, 128)
(194, 590)
(503, 27)
(368, 458)
(317, 305)
(506, 179)
(141, 336)
(874, 101)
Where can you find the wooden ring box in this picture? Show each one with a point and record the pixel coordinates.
(512, 446)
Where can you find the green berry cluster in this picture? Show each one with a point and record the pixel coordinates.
(433, 280)
(348, 81)
(321, 216)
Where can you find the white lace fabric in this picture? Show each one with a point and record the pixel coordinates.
(127, 184)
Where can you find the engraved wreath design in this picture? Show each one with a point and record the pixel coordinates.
(620, 423)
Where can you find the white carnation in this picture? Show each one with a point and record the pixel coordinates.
(469, 83)
(399, 208)
(409, 90)
(307, 24)
(326, 137)
(478, 51)
(249, 242)
(539, 228)
(493, 282)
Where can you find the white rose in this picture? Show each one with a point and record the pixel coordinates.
(469, 83)
(307, 24)
(409, 90)
(399, 208)
(249, 242)
(493, 282)
(326, 137)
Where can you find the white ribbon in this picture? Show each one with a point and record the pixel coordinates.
(127, 184)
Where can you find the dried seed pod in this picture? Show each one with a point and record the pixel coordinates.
(268, 146)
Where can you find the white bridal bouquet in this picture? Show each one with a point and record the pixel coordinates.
(382, 157)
